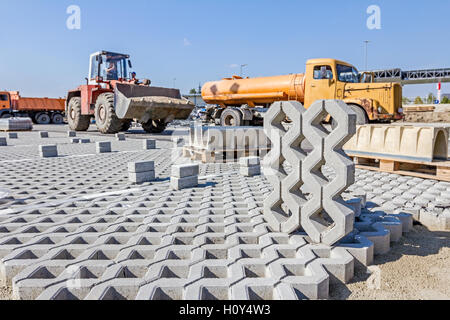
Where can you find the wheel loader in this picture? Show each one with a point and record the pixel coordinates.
(114, 97)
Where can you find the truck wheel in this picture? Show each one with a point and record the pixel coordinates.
(43, 118)
(361, 116)
(6, 116)
(154, 126)
(77, 121)
(126, 125)
(57, 118)
(231, 117)
(105, 116)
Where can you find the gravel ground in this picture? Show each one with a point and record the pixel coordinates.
(416, 268)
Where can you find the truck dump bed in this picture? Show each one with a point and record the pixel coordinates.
(36, 104)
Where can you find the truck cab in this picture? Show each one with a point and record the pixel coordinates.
(335, 79)
(5, 104)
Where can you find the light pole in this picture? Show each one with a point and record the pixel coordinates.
(242, 67)
(367, 49)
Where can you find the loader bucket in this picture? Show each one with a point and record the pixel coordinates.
(150, 103)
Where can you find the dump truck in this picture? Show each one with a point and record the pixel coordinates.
(114, 98)
(40, 110)
(240, 102)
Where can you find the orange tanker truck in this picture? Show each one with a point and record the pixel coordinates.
(240, 102)
(40, 110)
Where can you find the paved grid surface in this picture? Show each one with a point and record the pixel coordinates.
(74, 227)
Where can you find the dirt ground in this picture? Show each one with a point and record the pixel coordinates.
(416, 268)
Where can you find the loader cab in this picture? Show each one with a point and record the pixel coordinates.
(108, 66)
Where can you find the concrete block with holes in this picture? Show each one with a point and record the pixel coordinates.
(13, 135)
(75, 238)
(120, 137)
(71, 134)
(3, 142)
(43, 134)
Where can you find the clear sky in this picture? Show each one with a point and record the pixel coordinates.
(194, 41)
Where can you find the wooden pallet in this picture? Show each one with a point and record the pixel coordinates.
(222, 156)
(419, 109)
(437, 170)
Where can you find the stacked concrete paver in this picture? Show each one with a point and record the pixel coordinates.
(184, 176)
(142, 171)
(250, 166)
(76, 228)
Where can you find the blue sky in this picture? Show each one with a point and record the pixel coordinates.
(196, 41)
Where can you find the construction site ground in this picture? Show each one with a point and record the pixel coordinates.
(83, 203)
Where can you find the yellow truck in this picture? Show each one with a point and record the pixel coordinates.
(238, 102)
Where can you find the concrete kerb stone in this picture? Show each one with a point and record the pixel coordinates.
(149, 144)
(48, 151)
(434, 220)
(103, 147)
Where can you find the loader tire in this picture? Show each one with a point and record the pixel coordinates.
(154, 126)
(105, 116)
(231, 117)
(77, 121)
(126, 125)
